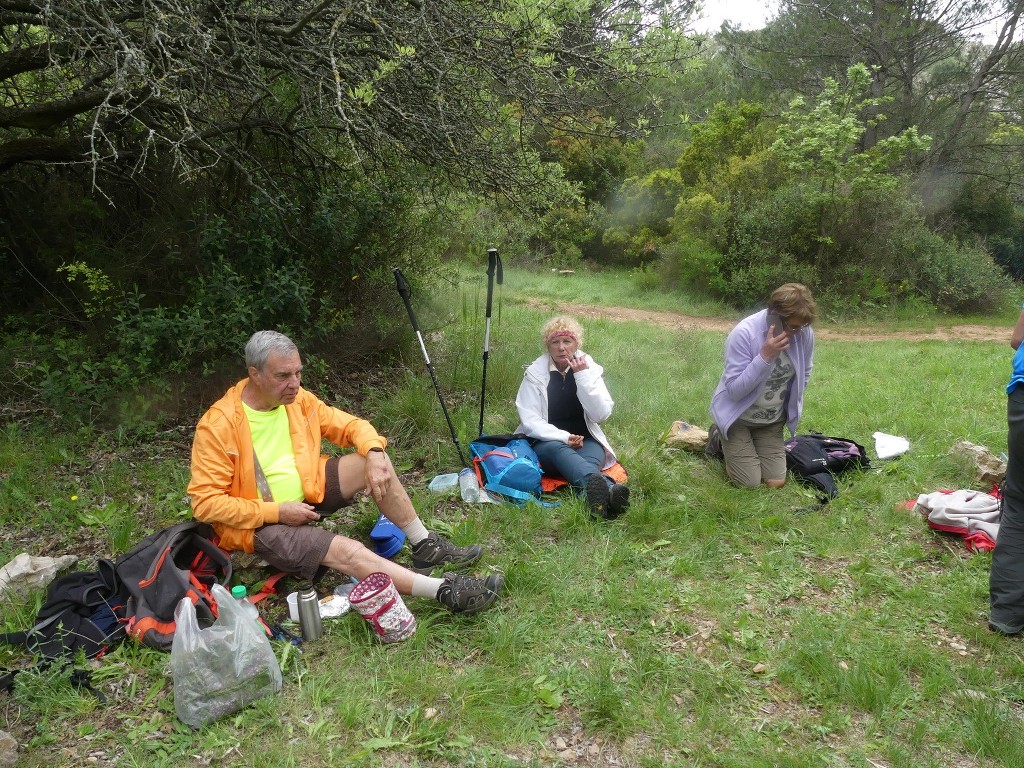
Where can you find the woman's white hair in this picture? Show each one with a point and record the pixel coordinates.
(561, 325)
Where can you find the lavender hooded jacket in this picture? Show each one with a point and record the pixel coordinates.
(746, 372)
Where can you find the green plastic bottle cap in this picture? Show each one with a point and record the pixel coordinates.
(239, 591)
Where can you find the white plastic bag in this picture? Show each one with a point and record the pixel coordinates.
(890, 446)
(219, 669)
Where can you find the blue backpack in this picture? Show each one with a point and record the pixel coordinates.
(507, 465)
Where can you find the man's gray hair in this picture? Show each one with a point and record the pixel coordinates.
(262, 343)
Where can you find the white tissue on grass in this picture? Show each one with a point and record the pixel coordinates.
(888, 446)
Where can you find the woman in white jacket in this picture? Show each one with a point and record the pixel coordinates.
(562, 402)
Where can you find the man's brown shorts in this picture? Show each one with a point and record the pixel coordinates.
(302, 548)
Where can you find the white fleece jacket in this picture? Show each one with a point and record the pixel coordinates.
(532, 404)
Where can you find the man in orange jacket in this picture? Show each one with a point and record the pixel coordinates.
(259, 479)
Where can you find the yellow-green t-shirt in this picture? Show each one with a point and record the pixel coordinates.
(272, 443)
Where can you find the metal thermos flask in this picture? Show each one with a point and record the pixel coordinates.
(309, 613)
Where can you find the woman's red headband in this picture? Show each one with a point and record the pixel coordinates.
(558, 334)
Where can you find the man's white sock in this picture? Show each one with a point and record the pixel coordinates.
(415, 531)
(425, 586)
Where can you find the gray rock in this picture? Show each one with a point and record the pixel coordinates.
(8, 750)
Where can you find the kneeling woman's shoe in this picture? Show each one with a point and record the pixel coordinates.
(618, 500)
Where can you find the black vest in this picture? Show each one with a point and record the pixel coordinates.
(564, 408)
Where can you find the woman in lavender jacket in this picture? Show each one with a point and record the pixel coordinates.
(768, 361)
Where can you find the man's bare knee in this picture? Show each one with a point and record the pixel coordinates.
(775, 483)
(352, 558)
(343, 552)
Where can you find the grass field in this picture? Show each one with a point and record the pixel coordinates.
(711, 626)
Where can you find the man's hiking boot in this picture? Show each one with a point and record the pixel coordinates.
(467, 594)
(597, 496)
(436, 551)
(618, 500)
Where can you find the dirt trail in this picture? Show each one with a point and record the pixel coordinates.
(679, 322)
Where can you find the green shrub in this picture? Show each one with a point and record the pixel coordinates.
(728, 132)
(564, 231)
(702, 215)
(689, 263)
(647, 277)
(752, 284)
(632, 248)
(648, 201)
(1008, 251)
(249, 272)
(980, 207)
(473, 227)
(772, 242)
(960, 278)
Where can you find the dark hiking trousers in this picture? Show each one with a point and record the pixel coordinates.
(557, 458)
(1006, 579)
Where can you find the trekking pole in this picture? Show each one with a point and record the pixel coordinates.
(405, 293)
(493, 263)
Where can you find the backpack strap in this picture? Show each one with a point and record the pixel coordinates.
(7, 675)
(261, 478)
(478, 470)
(80, 678)
(14, 638)
(518, 497)
(269, 588)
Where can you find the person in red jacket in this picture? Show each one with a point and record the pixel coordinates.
(259, 478)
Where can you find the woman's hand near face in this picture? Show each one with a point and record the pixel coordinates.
(774, 345)
(579, 363)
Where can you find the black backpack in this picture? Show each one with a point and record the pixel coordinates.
(815, 460)
(84, 610)
(136, 594)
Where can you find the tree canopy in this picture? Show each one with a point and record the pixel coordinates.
(117, 85)
(927, 56)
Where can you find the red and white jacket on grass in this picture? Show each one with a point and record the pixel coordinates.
(974, 515)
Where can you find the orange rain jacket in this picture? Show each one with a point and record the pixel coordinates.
(223, 486)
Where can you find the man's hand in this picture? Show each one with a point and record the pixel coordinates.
(378, 474)
(576, 441)
(296, 513)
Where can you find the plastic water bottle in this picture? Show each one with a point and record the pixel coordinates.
(345, 587)
(469, 486)
(240, 593)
